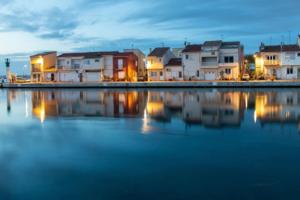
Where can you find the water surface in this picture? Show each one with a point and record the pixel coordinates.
(149, 144)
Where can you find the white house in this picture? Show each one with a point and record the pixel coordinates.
(213, 60)
(174, 70)
(279, 61)
(156, 61)
(85, 67)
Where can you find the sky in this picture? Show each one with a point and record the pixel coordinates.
(31, 26)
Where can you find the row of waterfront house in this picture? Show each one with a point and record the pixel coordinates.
(212, 60)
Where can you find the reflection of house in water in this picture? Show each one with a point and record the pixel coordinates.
(213, 109)
(156, 107)
(278, 107)
(174, 101)
(87, 104)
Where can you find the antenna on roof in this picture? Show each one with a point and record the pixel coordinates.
(282, 39)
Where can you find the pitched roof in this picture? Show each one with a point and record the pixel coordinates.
(231, 44)
(43, 54)
(88, 54)
(280, 48)
(174, 62)
(213, 43)
(192, 48)
(159, 52)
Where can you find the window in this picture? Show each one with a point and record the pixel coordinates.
(180, 74)
(120, 64)
(198, 73)
(229, 59)
(298, 54)
(153, 74)
(290, 71)
(97, 60)
(87, 62)
(186, 57)
(161, 73)
(227, 71)
(273, 57)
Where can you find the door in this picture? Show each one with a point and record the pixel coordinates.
(52, 77)
(298, 73)
(210, 76)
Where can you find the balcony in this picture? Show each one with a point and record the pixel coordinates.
(234, 64)
(210, 64)
(36, 69)
(271, 62)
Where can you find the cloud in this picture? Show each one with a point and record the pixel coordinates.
(48, 24)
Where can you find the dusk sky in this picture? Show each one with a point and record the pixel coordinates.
(30, 26)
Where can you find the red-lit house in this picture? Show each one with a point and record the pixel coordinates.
(125, 67)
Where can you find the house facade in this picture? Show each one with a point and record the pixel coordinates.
(85, 67)
(156, 61)
(141, 69)
(174, 70)
(213, 60)
(43, 67)
(279, 61)
(125, 67)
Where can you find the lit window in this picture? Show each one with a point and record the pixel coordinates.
(228, 71)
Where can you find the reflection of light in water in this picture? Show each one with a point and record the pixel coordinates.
(255, 117)
(42, 112)
(26, 108)
(146, 128)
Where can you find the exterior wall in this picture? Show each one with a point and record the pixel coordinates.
(142, 71)
(172, 73)
(194, 69)
(155, 65)
(129, 69)
(279, 67)
(80, 69)
(155, 74)
(43, 68)
(191, 65)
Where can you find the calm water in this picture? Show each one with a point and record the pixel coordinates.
(157, 144)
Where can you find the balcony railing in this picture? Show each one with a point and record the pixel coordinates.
(210, 64)
(272, 62)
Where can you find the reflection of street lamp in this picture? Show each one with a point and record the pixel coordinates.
(24, 69)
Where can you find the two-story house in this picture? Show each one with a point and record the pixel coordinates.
(279, 61)
(125, 67)
(156, 61)
(85, 67)
(43, 67)
(213, 60)
(142, 71)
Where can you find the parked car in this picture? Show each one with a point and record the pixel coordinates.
(246, 77)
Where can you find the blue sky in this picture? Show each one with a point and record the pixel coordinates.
(30, 26)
